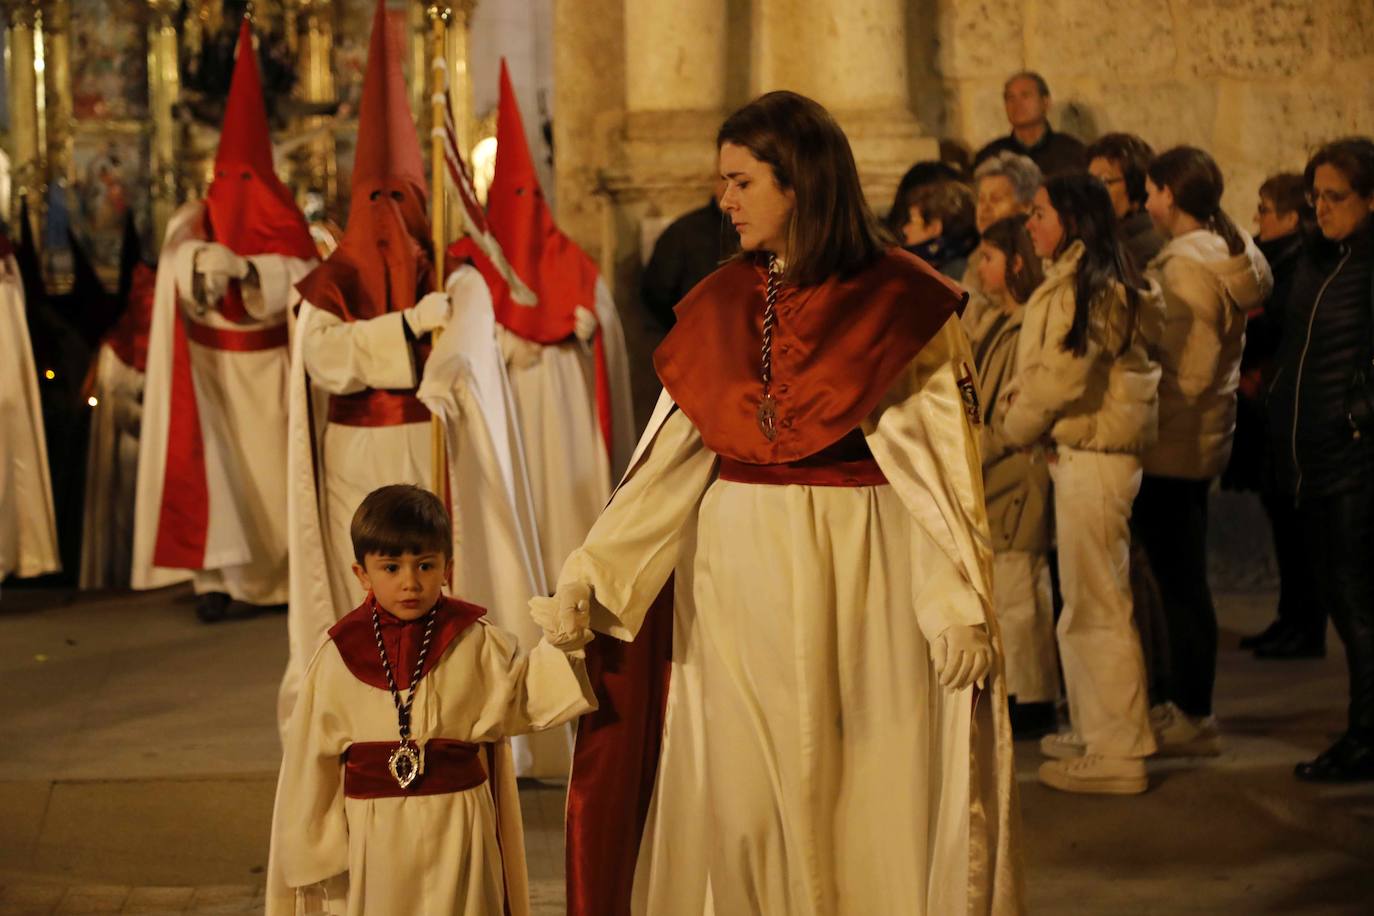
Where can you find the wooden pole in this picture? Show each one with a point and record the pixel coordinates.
(439, 15)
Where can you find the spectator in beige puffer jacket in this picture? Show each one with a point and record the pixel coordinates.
(1085, 396)
(1212, 274)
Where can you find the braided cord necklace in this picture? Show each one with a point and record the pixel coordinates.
(407, 762)
(768, 408)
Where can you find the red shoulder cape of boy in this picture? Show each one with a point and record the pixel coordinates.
(357, 642)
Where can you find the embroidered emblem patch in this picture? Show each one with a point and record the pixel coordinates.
(968, 391)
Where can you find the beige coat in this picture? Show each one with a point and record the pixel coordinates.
(1198, 342)
(1015, 483)
(1102, 401)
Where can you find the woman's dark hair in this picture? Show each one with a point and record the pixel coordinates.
(1130, 154)
(1010, 237)
(1354, 156)
(401, 518)
(1287, 191)
(1085, 211)
(918, 176)
(832, 231)
(1195, 181)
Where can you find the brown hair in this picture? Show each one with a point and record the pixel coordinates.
(951, 202)
(1010, 237)
(1287, 191)
(1354, 156)
(1192, 176)
(1130, 154)
(398, 519)
(832, 231)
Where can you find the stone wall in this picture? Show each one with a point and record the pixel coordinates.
(1258, 83)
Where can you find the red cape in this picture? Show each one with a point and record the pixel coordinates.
(837, 348)
(357, 643)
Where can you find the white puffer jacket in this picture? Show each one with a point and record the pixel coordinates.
(1207, 292)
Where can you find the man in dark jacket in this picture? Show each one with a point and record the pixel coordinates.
(1322, 416)
(692, 246)
(1027, 98)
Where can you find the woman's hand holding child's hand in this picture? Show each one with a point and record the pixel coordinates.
(566, 617)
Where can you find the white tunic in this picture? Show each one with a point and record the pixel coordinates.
(241, 399)
(28, 529)
(555, 396)
(811, 765)
(465, 385)
(430, 854)
(112, 474)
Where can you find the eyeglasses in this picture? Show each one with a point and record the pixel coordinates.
(1331, 198)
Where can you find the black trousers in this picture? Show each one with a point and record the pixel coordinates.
(1300, 605)
(1339, 531)
(1170, 516)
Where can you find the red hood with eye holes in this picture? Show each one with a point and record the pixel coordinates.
(247, 208)
(382, 263)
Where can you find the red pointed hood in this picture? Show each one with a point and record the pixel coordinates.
(248, 208)
(382, 262)
(560, 274)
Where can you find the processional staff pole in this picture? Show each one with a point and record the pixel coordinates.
(438, 16)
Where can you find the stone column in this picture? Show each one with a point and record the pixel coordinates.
(26, 155)
(164, 85)
(57, 83)
(675, 55)
(852, 58)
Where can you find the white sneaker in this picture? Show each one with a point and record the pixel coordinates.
(1093, 774)
(1063, 745)
(1181, 735)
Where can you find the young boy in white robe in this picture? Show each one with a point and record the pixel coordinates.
(396, 792)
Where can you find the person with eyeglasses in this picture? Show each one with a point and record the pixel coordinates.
(1119, 161)
(1321, 411)
(1283, 219)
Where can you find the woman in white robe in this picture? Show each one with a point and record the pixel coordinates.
(835, 738)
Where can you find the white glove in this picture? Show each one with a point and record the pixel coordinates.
(429, 313)
(214, 258)
(566, 617)
(584, 324)
(962, 656)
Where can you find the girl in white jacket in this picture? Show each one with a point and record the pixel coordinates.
(1084, 395)
(1212, 275)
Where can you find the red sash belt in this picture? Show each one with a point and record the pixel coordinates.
(377, 407)
(847, 463)
(237, 341)
(450, 766)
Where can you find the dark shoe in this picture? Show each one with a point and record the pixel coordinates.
(1032, 720)
(212, 607)
(1294, 644)
(1268, 634)
(1348, 760)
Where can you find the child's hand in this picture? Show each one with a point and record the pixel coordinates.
(566, 617)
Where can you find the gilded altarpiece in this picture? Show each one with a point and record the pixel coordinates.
(111, 108)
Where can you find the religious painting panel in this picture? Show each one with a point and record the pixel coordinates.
(111, 166)
(109, 60)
